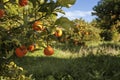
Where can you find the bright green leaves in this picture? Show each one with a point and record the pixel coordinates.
(11, 9)
(66, 3)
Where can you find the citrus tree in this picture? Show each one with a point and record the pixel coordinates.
(25, 24)
(79, 32)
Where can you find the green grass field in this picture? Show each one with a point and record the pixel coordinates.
(74, 63)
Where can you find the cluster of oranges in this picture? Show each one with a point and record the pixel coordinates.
(22, 50)
(38, 26)
(22, 3)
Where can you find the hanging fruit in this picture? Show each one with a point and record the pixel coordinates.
(23, 2)
(2, 12)
(21, 51)
(58, 32)
(37, 26)
(31, 47)
(48, 51)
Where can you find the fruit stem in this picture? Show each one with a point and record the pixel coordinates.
(25, 17)
(47, 37)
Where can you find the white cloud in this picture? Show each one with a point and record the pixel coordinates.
(77, 14)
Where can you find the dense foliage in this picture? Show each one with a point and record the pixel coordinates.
(108, 16)
(28, 22)
(24, 23)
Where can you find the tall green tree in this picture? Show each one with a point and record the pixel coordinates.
(108, 16)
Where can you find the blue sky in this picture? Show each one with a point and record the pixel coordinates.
(81, 9)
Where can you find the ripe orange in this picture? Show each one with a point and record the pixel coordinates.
(21, 51)
(1, 13)
(58, 32)
(37, 26)
(23, 2)
(48, 51)
(87, 33)
(31, 47)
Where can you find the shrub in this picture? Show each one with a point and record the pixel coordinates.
(10, 71)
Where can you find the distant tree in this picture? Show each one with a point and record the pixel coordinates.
(108, 15)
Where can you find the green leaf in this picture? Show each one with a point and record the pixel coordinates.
(9, 54)
(59, 10)
(1, 6)
(33, 2)
(66, 3)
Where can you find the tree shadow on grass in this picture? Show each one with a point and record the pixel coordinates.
(91, 67)
(68, 47)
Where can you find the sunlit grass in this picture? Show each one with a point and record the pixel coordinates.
(57, 53)
(67, 63)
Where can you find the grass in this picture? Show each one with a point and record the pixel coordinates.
(80, 63)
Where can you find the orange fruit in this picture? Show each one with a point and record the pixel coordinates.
(23, 2)
(37, 26)
(21, 51)
(1, 13)
(31, 47)
(48, 51)
(58, 32)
